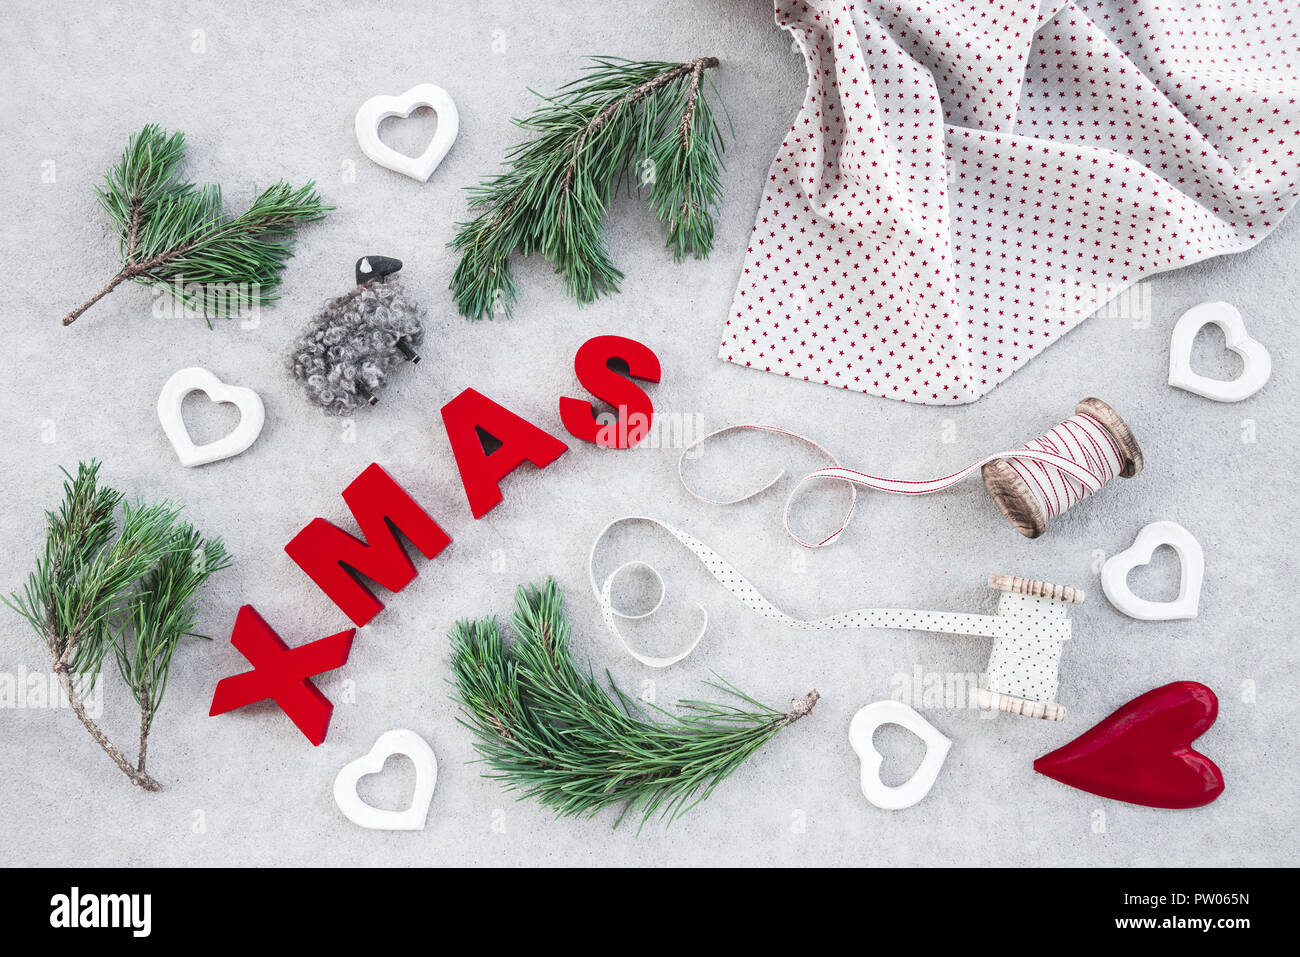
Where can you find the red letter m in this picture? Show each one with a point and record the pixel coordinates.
(331, 557)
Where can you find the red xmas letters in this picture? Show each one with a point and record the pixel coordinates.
(333, 557)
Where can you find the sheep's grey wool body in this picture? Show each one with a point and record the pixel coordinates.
(353, 341)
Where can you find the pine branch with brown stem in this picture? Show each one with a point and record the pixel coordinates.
(648, 126)
(555, 734)
(176, 237)
(98, 588)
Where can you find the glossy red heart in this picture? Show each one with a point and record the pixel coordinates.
(1143, 752)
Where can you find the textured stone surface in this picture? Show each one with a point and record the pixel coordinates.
(273, 95)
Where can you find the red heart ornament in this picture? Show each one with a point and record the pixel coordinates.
(1143, 752)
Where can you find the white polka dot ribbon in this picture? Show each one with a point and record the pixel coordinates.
(1028, 630)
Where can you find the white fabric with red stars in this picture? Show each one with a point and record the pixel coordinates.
(968, 179)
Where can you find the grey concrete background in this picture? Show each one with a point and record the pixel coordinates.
(272, 94)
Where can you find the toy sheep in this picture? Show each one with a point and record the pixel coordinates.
(345, 354)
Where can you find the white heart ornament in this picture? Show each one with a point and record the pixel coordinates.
(1114, 574)
(861, 730)
(252, 415)
(378, 108)
(1257, 365)
(397, 741)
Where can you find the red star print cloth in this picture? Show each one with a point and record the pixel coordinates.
(968, 179)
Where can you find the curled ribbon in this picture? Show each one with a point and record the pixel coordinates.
(1069, 463)
(1035, 629)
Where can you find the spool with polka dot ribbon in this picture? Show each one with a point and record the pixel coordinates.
(1028, 630)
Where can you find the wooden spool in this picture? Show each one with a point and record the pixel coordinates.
(1013, 496)
(1000, 701)
(992, 701)
(1032, 586)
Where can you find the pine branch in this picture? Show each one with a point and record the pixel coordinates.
(176, 237)
(552, 732)
(623, 122)
(96, 588)
(161, 613)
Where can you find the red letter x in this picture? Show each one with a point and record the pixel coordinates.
(282, 673)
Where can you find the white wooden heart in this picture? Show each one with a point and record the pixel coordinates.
(397, 741)
(1114, 574)
(863, 727)
(1257, 365)
(378, 108)
(252, 415)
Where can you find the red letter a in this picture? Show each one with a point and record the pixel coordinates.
(330, 555)
(520, 440)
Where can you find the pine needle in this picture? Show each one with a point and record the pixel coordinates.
(554, 734)
(97, 588)
(176, 237)
(647, 125)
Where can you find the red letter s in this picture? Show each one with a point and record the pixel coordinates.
(635, 410)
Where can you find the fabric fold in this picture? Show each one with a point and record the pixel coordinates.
(966, 180)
